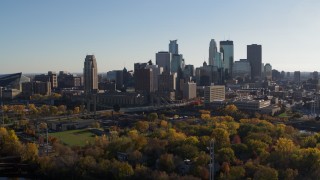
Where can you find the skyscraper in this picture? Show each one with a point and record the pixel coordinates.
(144, 80)
(163, 59)
(176, 62)
(90, 75)
(226, 48)
(297, 76)
(254, 56)
(268, 72)
(212, 52)
(173, 47)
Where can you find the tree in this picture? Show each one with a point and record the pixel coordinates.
(225, 167)
(187, 151)
(135, 157)
(264, 172)
(95, 125)
(9, 142)
(44, 109)
(76, 110)
(226, 155)
(152, 116)
(116, 107)
(166, 163)
(29, 152)
(121, 170)
(230, 109)
(237, 172)
(202, 159)
(205, 116)
(87, 165)
(164, 124)
(54, 110)
(285, 146)
(221, 137)
(309, 141)
(62, 109)
(142, 126)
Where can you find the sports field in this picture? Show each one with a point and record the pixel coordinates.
(78, 137)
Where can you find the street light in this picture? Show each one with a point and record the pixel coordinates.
(211, 165)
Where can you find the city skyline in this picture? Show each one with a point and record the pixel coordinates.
(40, 36)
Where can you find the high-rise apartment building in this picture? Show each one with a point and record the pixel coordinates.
(163, 59)
(254, 56)
(173, 47)
(226, 48)
(90, 75)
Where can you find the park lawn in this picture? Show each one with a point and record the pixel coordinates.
(284, 115)
(78, 137)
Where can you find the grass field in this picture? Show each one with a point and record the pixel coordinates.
(74, 137)
(284, 115)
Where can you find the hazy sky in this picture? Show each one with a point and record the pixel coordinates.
(38, 36)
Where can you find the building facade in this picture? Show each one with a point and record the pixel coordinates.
(242, 70)
(173, 47)
(213, 50)
(90, 75)
(163, 59)
(226, 48)
(214, 93)
(144, 80)
(189, 90)
(268, 72)
(254, 56)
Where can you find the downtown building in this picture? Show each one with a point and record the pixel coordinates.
(226, 48)
(50, 77)
(254, 56)
(163, 59)
(90, 75)
(214, 93)
(241, 70)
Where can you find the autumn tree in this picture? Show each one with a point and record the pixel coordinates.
(152, 116)
(29, 152)
(76, 110)
(166, 163)
(226, 155)
(264, 172)
(221, 137)
(142, 126)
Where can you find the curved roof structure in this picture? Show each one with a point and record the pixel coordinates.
(13, 81)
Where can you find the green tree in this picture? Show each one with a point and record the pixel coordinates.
(152, 117)
(226, 155)
(236, 172)
(264, 173)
